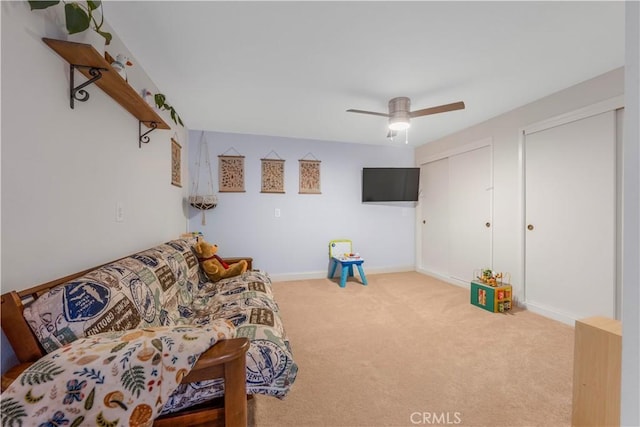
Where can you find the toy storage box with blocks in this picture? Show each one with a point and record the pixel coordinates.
(496, 299)
(165, 286)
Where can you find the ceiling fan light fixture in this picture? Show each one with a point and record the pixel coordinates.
(399, 121)
(399, 125)
(399, 113)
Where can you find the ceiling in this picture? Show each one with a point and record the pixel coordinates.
(292, 68)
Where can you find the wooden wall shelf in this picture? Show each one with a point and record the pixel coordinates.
(89, 62)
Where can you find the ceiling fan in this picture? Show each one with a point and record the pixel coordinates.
(400, 114)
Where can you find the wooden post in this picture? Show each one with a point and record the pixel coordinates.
(596, 372)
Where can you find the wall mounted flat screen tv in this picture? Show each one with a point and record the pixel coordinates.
(390, 184)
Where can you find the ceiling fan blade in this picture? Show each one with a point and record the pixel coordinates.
(367, 112)
(438, 109)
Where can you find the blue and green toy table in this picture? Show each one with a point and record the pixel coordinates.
(347, 264)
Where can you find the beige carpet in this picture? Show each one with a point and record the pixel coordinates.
(410, 350)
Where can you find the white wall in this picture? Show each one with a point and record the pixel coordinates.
(504, 131)
(296, 244)
(630, 410)
(64, 170)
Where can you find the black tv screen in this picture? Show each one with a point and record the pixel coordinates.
(390, 184)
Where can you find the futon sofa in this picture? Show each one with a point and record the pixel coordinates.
(156, 292)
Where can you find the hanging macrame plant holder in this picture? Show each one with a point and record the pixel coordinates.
(208, 200)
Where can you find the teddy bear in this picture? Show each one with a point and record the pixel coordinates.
(213, 266)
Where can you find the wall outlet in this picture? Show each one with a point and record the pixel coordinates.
(119, 212)
(276, 212)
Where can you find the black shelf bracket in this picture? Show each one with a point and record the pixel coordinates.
(78, 93)
(144, 137)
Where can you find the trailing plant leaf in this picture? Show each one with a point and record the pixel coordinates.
(157, 343)
(93, 5)
(133, 379)
(12, 412)
(107, 36)
(77, 19)
(41, 372)
(77, 422)
(42, 4)
(160, 99)
(161, 102)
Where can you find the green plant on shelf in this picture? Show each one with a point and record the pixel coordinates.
(79, 16)
(161, 102)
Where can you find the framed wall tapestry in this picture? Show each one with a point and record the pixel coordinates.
(231, 173)
(309, 177)
(176, 162)
(272, 175)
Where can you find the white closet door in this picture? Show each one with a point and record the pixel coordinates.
(434, 177)
(470, 195)
(570, 217)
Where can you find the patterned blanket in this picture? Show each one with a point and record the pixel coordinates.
(110, 379)
(164, 286)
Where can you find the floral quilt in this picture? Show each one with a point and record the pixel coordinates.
(109, 379)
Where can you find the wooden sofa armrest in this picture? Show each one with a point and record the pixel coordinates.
(226, 359)
(215, 359)
(13, 373)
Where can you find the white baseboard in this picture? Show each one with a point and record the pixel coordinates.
(287, 277)
(451, 280)
(549, 312)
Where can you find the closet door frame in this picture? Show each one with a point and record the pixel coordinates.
(610, 104)
(481, 143)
